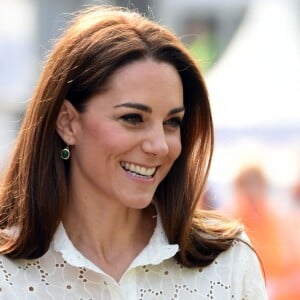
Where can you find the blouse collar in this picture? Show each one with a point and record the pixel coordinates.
(157, 250)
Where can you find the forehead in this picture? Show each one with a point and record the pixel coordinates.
(150, 75)
(153, 83)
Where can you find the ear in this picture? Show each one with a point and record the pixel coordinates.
(66, 122)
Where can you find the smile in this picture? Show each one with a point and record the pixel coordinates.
(138, 170)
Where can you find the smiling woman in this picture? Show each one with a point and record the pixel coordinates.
(116, 217)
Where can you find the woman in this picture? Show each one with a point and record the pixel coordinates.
(99, 201)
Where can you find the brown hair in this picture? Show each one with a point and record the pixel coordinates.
(34, 192)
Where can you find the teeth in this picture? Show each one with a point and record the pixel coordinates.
(150, 171)
(138, 169)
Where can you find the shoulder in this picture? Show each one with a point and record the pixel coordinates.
(236, 271)
(241, 265)
(239, 256)
(9, 269)
(19, 276)
(234, 274)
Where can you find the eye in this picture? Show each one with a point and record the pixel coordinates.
(174, 122)
(132, 118)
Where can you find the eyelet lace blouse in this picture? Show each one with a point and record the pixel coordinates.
(64, 273)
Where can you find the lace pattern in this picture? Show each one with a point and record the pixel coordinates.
(63, 273)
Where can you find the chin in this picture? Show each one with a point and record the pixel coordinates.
(140, 204)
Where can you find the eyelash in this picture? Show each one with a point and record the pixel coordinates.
(174, 122)
(134, 119)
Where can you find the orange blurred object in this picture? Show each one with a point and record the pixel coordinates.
(272, 235)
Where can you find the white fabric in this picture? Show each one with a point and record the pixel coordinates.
(64, 273)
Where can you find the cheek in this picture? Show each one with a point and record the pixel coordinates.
(97, 129)
(106, 135)
(174, 148)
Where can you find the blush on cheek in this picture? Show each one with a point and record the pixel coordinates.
(176, 150)
(174, 146)
(107, 134)
(108, 137)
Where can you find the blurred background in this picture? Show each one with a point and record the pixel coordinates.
(249, 53)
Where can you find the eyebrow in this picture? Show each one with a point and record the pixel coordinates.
(148, 109)
(138, 106)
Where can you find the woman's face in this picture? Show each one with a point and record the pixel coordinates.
(128, 137)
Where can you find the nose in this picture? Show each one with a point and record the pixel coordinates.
(155, 142)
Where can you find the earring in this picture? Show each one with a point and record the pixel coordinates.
(65, 153)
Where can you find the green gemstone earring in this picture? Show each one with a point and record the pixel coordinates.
(65, 153)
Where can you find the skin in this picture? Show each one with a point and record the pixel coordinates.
(134, 122)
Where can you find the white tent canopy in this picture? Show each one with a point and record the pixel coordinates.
(255, 92)
(256, 83)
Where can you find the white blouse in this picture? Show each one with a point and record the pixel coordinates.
(64, 273)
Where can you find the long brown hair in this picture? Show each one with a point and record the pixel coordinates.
(34, 191)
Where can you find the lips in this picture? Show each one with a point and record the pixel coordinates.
(138, 170)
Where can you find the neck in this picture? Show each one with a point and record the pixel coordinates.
(110, 236)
